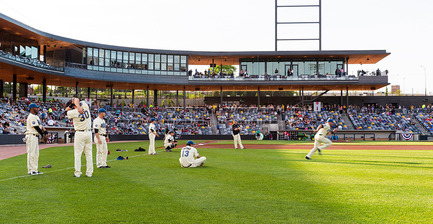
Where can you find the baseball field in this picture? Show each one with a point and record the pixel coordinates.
(269, 182)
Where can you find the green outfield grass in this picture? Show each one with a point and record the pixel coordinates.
(309, 142)
(235, 186)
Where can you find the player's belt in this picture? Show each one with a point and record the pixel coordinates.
(34, 135)
(84, 130)
(104, 135)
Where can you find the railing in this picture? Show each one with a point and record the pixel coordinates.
(273, 78)
(29, 61)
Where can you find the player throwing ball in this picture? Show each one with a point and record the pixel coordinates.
(169, 142)
(320, 138)
(189, 156)
(80, 113)
(236, 128)
(152, 134)
(101, 139)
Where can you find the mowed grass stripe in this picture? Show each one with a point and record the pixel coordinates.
(235, 186)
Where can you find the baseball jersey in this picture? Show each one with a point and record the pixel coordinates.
(152, 128)
(81, 121)
(235, 132)
(187, 155)
(325, 129)
(32, 122)
(100, 124)
(168, 139)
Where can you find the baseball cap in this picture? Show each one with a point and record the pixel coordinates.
(331, 120)
(190, 143)
(153, 119)
(33, 105)
(102, 110)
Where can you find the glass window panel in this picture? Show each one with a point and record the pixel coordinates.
(34, 52)
(183, 59)
(101, 53)
(163, 66)
(176, 67)
(176, 59)
(163, 58)
(157, 58)
(183, 67)
(113, 59)
(107, 54)
(157, 65)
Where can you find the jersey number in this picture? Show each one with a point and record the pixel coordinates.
(185, 153)
(84, 116)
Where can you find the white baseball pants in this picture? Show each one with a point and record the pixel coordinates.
(318, 140)
(151, 144)
(237, 139)
(196, 163)
(32, 145)
(83, 143)
(101, 152)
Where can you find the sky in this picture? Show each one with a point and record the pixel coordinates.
(400, 27)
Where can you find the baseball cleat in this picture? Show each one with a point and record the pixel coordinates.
(107, 167)
(307, 157)
(244, 148)
(76, 176)
(38, 173)
(236, 148)
(320, 151)
(33, 173)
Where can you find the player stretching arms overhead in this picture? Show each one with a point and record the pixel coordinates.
(80, 113)
(320, 138)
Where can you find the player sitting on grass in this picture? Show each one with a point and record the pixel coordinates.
(320, 138)
(189, 156)
(169, 142)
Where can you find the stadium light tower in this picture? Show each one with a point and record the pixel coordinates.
(425, 80)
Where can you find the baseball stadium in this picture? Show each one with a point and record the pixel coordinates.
(276, 136)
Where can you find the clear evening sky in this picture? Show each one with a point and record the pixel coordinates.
(401, 27)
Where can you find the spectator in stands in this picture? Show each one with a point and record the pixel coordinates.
(338, 72)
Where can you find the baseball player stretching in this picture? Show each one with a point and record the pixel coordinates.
(169, 142)
(152, 134)
(34, 129)
(236, 128)
(320, 138)
(101, 139)
(189, 156)
(80, 113)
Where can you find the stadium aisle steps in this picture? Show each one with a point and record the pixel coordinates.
(213, 123)
(419, 125)
(347, 121)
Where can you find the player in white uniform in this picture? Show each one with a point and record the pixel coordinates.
(169, 142)
(189, 156)
(152, 134)
(34, 129)
(101, 139)
(320, 138)
(80, 113)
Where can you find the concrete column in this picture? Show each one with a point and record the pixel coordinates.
(258, 96)
(77, 90)
(155, 97)
(96, 94)
(1, 88)
(302, 96)
(147, 97)
(14, 87)
(177, 98)
(184, 97)
(88, 92)
(341, 98)
(347, 96)
(133, 93)
(23, 89)
(221, 95)
(111, 96)
(44, 90)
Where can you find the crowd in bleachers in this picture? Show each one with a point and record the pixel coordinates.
(197, 120)
(29, 61)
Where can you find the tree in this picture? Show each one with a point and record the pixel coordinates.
(227, 69)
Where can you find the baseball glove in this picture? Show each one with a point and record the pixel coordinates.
(69, 104)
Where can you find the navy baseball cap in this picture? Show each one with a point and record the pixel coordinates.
(153, 119)
(331, 120)
(33, 105)
(190, 143)
(102, 110)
